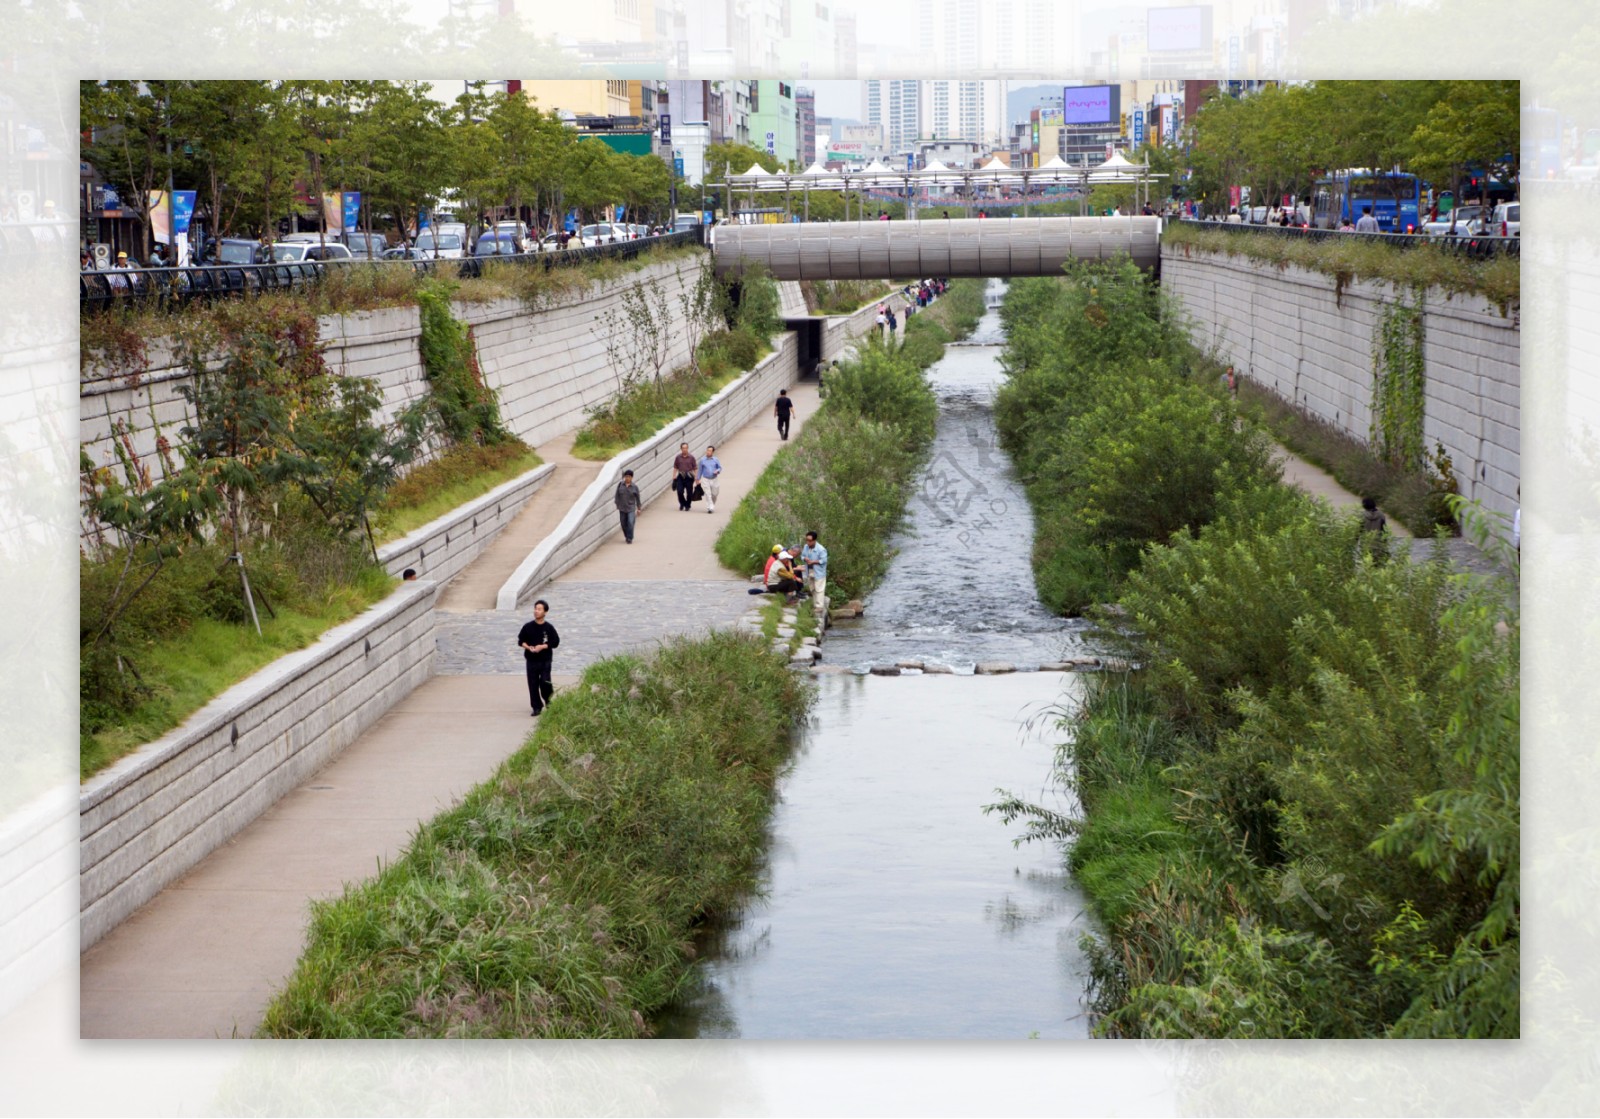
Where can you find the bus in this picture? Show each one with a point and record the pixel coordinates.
(1395, 198)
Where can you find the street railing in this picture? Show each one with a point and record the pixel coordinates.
(1479, 247)
(175, 287)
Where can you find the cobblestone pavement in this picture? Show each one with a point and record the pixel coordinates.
(595, 621)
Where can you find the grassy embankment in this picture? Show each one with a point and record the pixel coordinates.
(848, 473)
(560, 898)
(1299, 818)
(729, 341)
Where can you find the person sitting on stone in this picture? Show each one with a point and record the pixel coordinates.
(782, 577)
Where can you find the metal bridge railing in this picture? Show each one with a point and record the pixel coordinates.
(176, 287)
(1476, 247)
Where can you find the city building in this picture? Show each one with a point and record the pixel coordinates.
(895, 105)
(773, 119)
(805, 102)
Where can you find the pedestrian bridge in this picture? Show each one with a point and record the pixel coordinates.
(869, 250)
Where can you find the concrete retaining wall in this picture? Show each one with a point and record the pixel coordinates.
(1289, 330)
(441, 548)
(153, 815)
(547, 366)
(593, 518)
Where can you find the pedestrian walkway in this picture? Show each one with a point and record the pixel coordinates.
(204, 957)
(1464, 555)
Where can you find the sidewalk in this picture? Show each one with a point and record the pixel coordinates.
(204, 957)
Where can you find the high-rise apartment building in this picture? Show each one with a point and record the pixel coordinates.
(895, 105)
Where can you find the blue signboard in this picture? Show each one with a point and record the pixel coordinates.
(182, 210)
(911, 161)
(677, 166)
(352, 210)
(620, 211)
(1138, 127)
(666, 128)
(710, 217)
(571, 222)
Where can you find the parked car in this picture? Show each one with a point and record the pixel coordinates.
(366, 246)
(1464, 216)
(518, 230)
(294, 251)
(495, 243)
(440, 246)
(603, 233)
(402, 252)
(233, 250)
(1505, 221)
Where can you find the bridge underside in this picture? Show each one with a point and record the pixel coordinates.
(865, 250)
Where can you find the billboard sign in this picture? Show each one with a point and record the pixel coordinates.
(1178, 29)
(1090, 104)
(666, 129)
(772, 143)
(1138, 127)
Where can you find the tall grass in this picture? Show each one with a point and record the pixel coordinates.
(1299, 818)
(559, 899)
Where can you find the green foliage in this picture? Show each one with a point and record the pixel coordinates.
(758, 306)
(464, 407)
(1118, 447)
(1399, 382)
(884, 385)
(559, 899)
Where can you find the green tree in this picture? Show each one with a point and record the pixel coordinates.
(126, 133)
(1472, 124)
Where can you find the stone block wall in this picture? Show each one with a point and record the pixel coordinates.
(547, 366)
(1291, 331)
(150, 817)
(441, 548)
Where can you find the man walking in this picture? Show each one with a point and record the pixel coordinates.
(815, 558)
(684, 467)
(628, 504)
(710, 471)
(538, 640)
(1367, 223)
(781, 409)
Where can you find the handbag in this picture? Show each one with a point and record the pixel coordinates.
(699, 492)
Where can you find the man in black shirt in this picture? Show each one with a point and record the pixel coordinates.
(537, 639)
(782, 409)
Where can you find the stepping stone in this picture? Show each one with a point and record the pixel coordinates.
(884, 670)
(785, 631)
(800, 660)
(938, 670)
(910, 664)
(993, 668)
(1084, 662)
(830, 670)
(1116, 664)
(1056, 666)
(809, 641)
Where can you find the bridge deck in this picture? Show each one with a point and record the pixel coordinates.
(935, 246)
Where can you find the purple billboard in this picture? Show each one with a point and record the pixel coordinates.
(1090, 104)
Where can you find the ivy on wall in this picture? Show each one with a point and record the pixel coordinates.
(1397, 383)
(464, 405)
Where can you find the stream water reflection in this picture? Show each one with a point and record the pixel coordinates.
(894, 908)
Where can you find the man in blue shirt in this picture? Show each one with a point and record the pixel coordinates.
(815, 558)
(710, 471)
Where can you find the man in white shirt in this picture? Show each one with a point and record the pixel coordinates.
(1367, 223)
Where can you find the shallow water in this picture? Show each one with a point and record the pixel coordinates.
(960, 590)
(894, 907)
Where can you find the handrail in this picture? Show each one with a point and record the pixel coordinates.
(1474, 246)
(171, 287)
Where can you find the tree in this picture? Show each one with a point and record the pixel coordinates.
(412, 160)
(125, 124)
(1474, 124)
(272, 160)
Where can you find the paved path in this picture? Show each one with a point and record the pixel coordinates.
(203, 958)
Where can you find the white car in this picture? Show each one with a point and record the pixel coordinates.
(604, 233)
(1464, 217)
(296, 249)
(439, 246)
(1506, 221)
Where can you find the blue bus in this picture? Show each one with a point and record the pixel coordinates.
(1395, 198)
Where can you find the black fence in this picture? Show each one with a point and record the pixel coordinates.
(1479, 247)
(176, 287)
